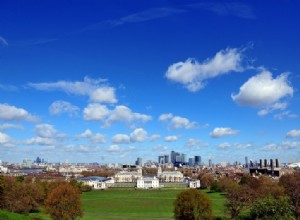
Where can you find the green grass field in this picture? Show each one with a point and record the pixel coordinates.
(130, 204)
(137, 204)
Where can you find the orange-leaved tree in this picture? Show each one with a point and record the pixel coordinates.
(64, 202)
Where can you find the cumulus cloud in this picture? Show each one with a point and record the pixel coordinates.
(4, 138)
(285, 114)
(193, 74)
(5, 126)
(45, 130)
(138, 135)
(171, 138)
(114, 148)
(154, 137)
(177, 122)
(220, 132)
(40, 141)
(120, 113)
(121, 139)
(95, 89)
(12, 113)
(293, 134)
(94, 138)
(262, 90)
(224, 145)
(276, 106)
(61, 107)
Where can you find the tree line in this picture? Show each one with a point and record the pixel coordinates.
(61, 200)
(264, 197)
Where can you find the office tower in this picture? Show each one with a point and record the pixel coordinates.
(209, 163)
(197, 160)
(178, 158)
(161, 159)
(166, 158)
(191, 162)
(184, 158)
(173, 157)
(246, 162)
(139, 162)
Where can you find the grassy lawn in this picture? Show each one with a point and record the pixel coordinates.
(130, 204)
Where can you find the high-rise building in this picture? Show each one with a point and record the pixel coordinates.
(161, 159)
(184, 158)
(166, 158)
(173, 157)
(191, 162)
(197, 160)
(210, 163)
(246, 162)
(139, 162)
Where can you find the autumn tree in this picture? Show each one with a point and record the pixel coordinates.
(291, 185)
(272, 208)
(238, 198)
(192, 205)
(2, 185)
(206, 180)
(64, 202)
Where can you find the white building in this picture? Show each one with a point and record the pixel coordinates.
(194, 184)
(169, 176)
(96, 182)
(3, 169)
(147, 183)
(128, 177)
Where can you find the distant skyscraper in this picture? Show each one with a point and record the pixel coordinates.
(161, 159)
(184, 158)
(197, 160)
(246, 162)
(166, 158)
(191, 162)
(209, 163)
(173, 157)
(139, 162)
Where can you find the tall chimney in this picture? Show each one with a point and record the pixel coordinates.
(260, 163)
(265, 163)
(271, 163)
(277, 163)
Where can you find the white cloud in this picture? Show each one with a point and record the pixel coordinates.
(171, 138)
(4, 138)
(138, 135)
(177, 122)
(40, 141)
(224, 145)
(276, 106)
(293, 134)
(45, 131)
(94, 88)
(94, 138)
(113, 148)
(154, 137)
(263, 90)
(86, 134)
(121, 139)
(6, 126)
(287, 114)
(121, 113)
(3, 42)
(193, 74)
(98, 139)
(12, 113)
(60, 107)
(220, 132)
(96, 112)
(290, 145)
(164, 117)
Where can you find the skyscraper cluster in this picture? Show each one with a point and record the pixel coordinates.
(178, 159)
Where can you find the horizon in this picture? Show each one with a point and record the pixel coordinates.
(112, 81)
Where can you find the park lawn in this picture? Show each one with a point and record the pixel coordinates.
(129, 204)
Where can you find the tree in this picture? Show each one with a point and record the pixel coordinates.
(292, 188)
(272, 208)
(2, 186)
(238, 198)
(64, 203)
(206, 180)
(192, 205)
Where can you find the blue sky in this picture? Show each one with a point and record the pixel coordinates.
(110, 81)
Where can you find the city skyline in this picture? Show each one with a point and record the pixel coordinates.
(112, 81)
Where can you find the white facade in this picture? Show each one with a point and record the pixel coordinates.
(128, 177)
(3, 169)
(95, 184)
(194, 184)
(147, 183)
(169, 176)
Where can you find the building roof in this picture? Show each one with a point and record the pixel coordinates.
(93, 178)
